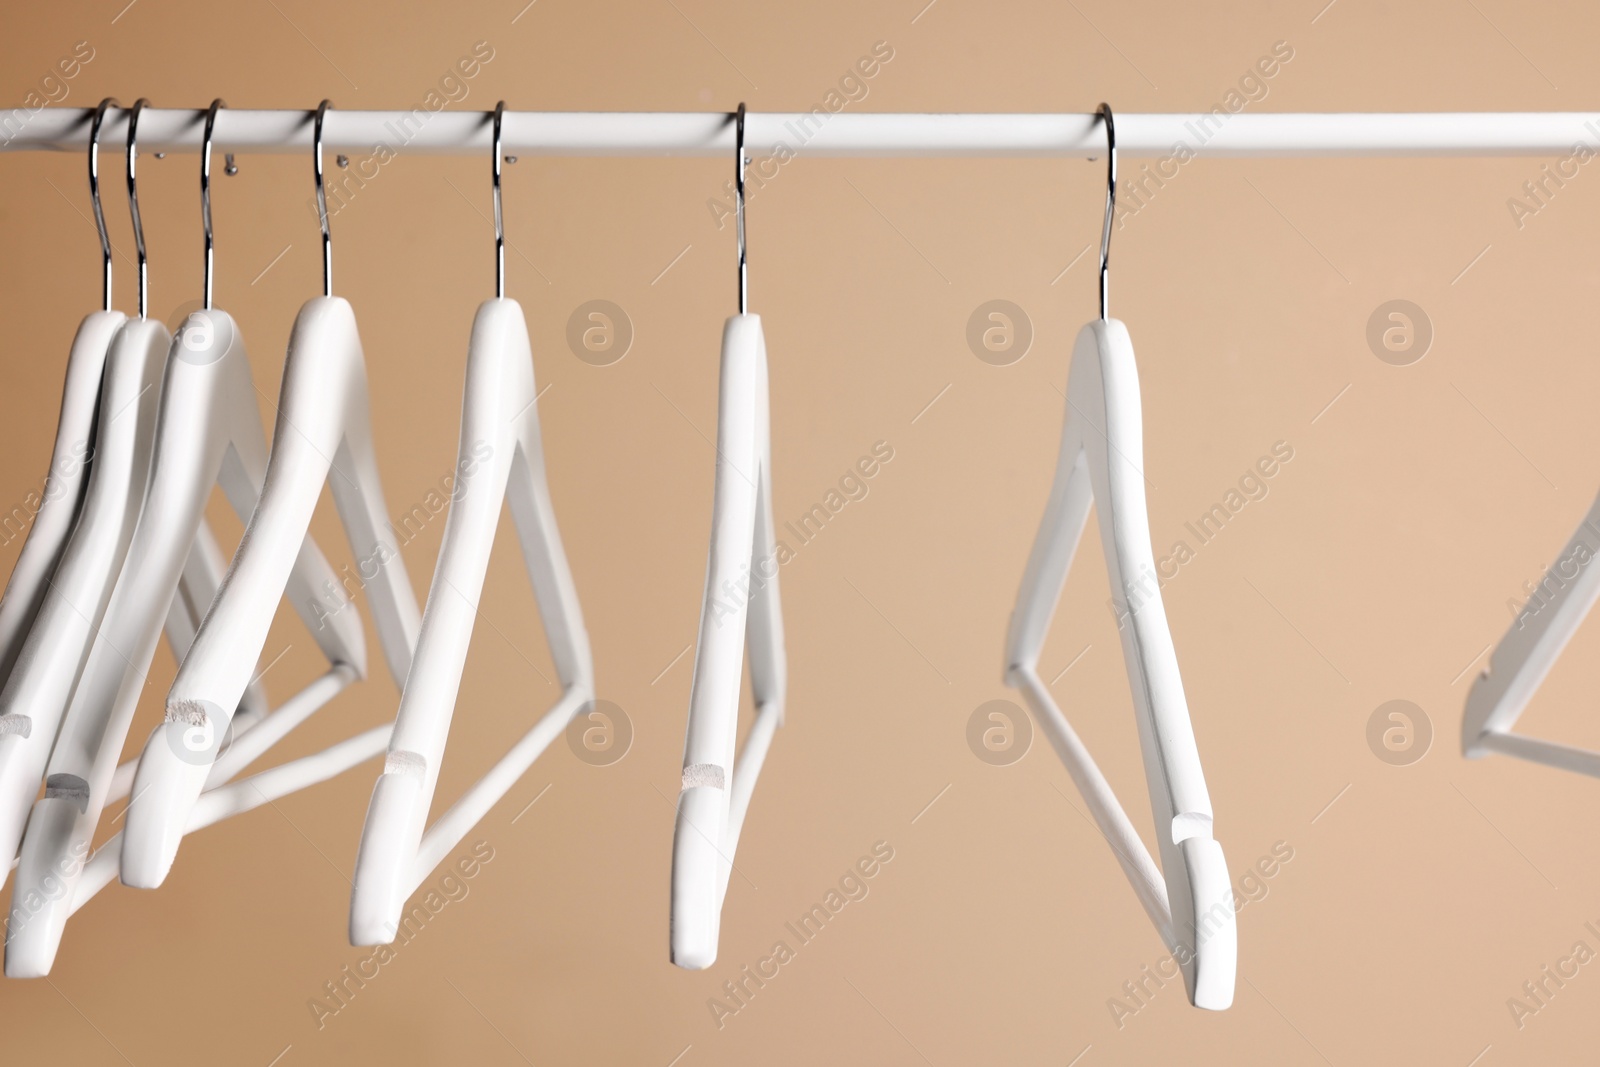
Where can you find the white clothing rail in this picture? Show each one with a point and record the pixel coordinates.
(1217, 134)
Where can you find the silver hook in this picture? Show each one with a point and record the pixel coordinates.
(205, 190)
(94, 193)
(499, 221)
(322, 199)
(133, 205)
(738, 185)
(1111, 205)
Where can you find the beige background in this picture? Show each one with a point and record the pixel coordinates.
(1378, 568)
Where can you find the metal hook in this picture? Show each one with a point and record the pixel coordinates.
(1111, 205)
(738, 185)
(133, 204)
(94, 193)
(205, 191)
(322, 198)
(499, 220)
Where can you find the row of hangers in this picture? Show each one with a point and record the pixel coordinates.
(125, 537)
(169, 417)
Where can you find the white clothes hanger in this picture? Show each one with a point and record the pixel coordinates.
(716, 792)
(208, 431)
(499, 414)
(1189, 898)
(51, 657)
(323, 435)
(62, 495)
(1524, 656)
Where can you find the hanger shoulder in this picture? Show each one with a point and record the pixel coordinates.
(1198, 888)
(764, 641)
(357, 491)
(59, 498)
(539, 537)
(1117, 468)
(314, 589)
(719, 657)
(309, 428)
(1066, 515)
(197, 587)
(769, 671)
(35, 695)
(321, 409)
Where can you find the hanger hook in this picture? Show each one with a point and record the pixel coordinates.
(205, 190)
(94, 193)
(133, 205)
(322, 198)
(738, 186)
(499, 219)
(1111, 204)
